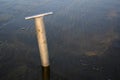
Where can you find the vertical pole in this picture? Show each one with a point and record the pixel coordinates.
(42, 44)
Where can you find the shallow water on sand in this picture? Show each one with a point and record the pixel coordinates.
(83, 39)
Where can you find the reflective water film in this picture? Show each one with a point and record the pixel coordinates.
(83, 39)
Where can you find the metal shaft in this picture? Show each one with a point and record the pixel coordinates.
(42, 43)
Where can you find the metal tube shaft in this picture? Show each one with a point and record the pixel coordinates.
(42, 42)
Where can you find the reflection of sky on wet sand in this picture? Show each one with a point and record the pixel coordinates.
(83, 39)
(112, 14)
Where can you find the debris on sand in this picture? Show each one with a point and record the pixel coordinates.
(23, 28)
